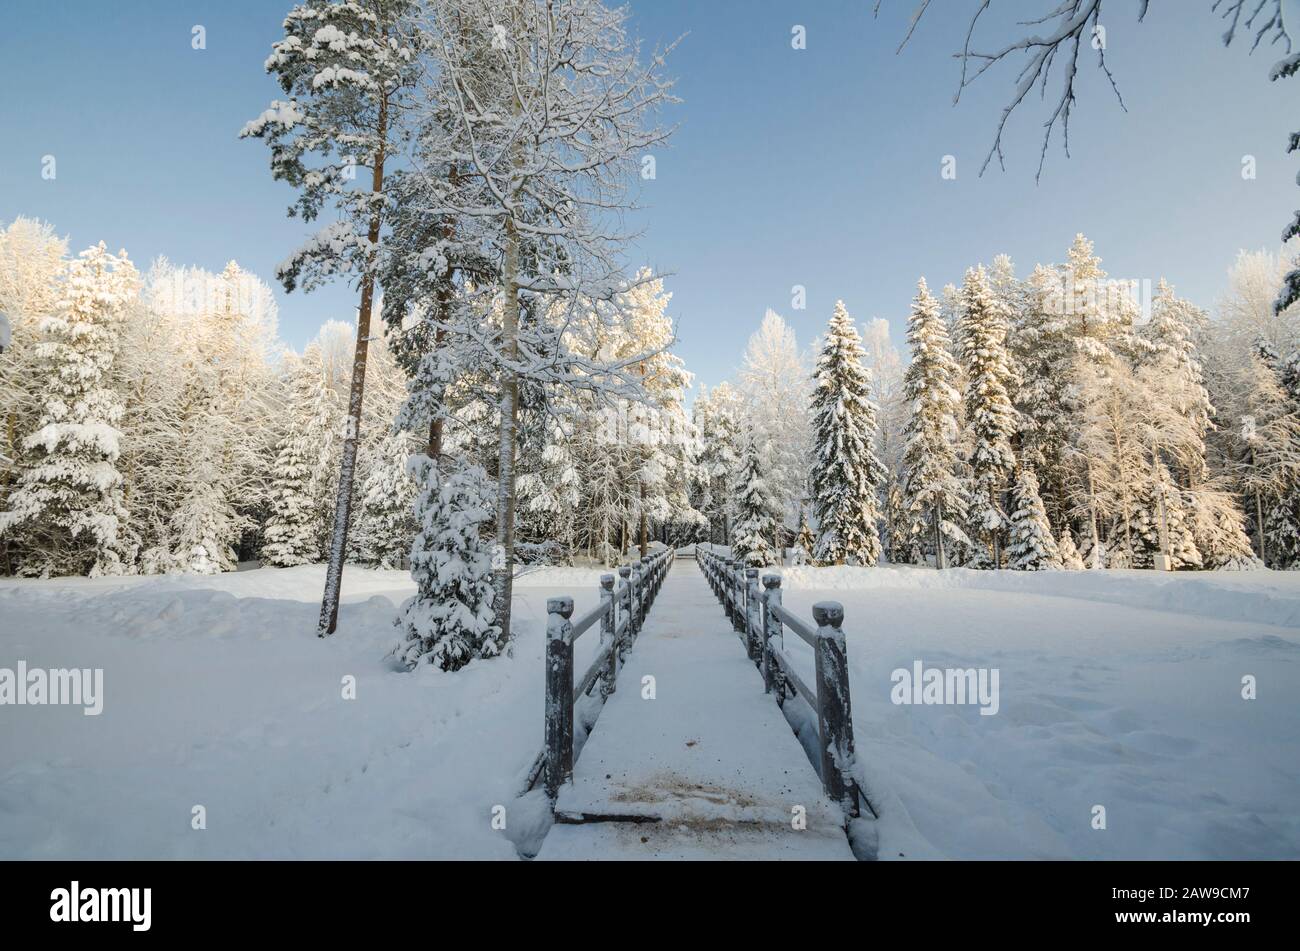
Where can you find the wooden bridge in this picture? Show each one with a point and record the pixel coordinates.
(693, 754)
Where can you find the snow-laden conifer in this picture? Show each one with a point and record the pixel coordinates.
(846, 474)
(449, 621)
(933, 499)
(292, 534)
(1071, 560)
(989, 413)
(755, 511)
(1032, 546)
(385, 525)
(69, 503)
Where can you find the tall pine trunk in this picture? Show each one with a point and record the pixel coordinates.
(329, 609)
(940, 556)
(506, 446)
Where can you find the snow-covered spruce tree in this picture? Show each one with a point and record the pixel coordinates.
(804, 543)
(1071, 560)
(291, 536)
(385, 527)
(1160, 525)
(545, 138)
(1044, 353)
(31, 263)
(717, 414)
(1032, 547)
(550, 486)
(933, 500)
(989, 414)
(347, 66)
(68, 502)
(1099, 312)
(847, 477)
(755, 511)
(449, 621)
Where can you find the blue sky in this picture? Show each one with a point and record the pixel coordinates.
(818, 167)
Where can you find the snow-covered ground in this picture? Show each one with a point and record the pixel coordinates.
(218, 693)
(1120, 689)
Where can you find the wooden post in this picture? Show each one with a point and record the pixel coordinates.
(625, 643)
(724, 584)
(834, 714)
(753, 624)
(738, 592)
(771, 626)
(638, 587)
(559, 695)
(607, 634)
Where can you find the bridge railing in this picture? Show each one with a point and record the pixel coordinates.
(620, 614)
(760, 621)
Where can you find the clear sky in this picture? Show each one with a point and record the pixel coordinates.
(818, 167)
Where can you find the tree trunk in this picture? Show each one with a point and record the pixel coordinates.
(645, 541)
(329, 609)
(506, 447)
(997, 541)
(1259, 524)
(940, 556)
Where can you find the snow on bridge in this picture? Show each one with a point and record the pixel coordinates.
(690, 759)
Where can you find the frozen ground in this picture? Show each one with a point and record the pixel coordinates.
(1120, 689)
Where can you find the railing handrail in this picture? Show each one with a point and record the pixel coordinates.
(621, 613)
(760, 619)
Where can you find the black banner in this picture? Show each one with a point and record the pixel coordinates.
(368, 900)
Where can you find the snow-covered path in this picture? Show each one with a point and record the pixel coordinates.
(707, 753)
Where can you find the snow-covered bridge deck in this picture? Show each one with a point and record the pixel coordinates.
(709, 765)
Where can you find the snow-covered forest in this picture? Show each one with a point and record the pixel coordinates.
(1053, 419)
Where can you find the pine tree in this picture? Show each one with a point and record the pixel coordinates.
(68, 503)
(204, 528)
(292, 533)
(933, 500)
(756, 519)
(1160, 526)
(717, 415)
(989, 414)
(449, 621)
(32, 259)
(847, 476)
(385, 526)
(1032, 547)
(347, 67)
(1045, 401)
(1071, 560)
